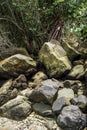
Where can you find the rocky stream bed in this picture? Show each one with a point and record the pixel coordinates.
(47, 94)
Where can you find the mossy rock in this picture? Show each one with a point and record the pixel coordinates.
(54, 58)
(71, 47)
(17, 64)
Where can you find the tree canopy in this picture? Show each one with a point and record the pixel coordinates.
(39, 20)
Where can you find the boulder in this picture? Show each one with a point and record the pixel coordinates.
(55, 59)
(81, 101)
(71, 118)
(46, 92)
(70, 45)
(6, 93)
(37, 79)
(15, 65)
(20, 82)
(77, 72)
(67, 93)
(58, 105)
(43, 109)
(17, 108)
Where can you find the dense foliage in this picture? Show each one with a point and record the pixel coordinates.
(32, 22)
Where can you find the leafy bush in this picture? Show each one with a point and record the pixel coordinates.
(31, 22)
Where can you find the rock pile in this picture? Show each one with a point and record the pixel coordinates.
(52, 99)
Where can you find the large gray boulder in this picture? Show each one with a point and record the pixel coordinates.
(54, 58)
(15, 65)
(71, 118)
(46, 92)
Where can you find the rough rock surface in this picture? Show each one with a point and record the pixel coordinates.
(59, 104)
(67, 93)
(46, 92)
(6, 93)
(81, 101)
(70, 46)
(71, 118)
(77, 72)
(15, 65)
(43, 109)
(17, 108)
(20, 82)
(54, 58)
(29, 91)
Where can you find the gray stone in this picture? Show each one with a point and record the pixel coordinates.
(46, 92)
(17, 108)
(67, 93)
(74, 101)
(43, 109)
(54, 58)
(71, 118)
(58, 105)
(81, 101)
